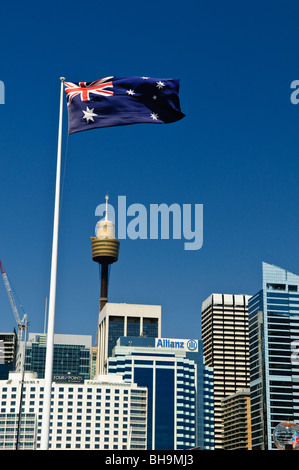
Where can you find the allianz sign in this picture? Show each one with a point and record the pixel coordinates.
(185, 344)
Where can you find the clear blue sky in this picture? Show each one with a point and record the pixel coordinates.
(236, 152)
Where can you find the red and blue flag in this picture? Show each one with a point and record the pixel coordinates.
(113, 101)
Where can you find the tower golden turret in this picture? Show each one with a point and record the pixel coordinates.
(105, 249)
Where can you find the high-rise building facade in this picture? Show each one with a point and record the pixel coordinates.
(180, 389)
(116, 320)
(103, 413)
(8, 353)
(71, 354)
(225, 348)
(274, 360)
(237, 421)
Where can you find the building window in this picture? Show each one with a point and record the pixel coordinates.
(150, 327)
(133, 326)
(116, 330)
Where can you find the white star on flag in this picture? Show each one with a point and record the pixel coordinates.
(131, 92)
(160, 85)
(154, 116)
(88, 114)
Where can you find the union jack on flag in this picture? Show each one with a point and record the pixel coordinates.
(98, 88)
(113, 101)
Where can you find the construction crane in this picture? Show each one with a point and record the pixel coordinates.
(21, 323)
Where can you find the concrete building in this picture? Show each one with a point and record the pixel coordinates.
(116, 320)
(226, 348)
(8, 353)
(236, 418)
(93, 362)
(104, 413)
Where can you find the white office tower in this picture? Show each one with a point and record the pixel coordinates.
(103, 413)
(225, 337)
(116, 320)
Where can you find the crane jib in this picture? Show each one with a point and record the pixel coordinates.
(20, 323)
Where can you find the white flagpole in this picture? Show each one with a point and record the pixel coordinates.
(52, 297)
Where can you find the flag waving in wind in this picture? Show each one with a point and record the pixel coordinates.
(115, 101)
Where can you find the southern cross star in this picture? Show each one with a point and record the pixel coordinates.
(154, 116)
(160, 85)
(131, 92)
(88, 114)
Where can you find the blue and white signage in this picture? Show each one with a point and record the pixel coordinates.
(190, 345)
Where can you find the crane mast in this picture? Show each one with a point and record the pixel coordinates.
(21, 323)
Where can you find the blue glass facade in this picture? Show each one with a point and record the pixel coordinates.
(116, 329)
(73, 359)
(150, 327)
(274, 366)
(180, 415)
(145, 376)
(5, 369)
(164, 412)
(133, 326)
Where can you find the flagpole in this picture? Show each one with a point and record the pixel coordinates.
(51, 316)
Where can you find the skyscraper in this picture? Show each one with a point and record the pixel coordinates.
(226, 348)
(116, 320)
(274, 362)
(180, 389)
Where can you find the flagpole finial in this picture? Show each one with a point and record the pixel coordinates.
(62, 79)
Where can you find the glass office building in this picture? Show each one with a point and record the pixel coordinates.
(71, 355)
(274, 361)
(180, 389)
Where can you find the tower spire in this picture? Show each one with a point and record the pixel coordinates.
(107, 198)
(105, 249)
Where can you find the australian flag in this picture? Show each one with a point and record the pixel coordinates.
(113, 101)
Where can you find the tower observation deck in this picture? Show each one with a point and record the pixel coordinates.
(104, 249)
